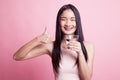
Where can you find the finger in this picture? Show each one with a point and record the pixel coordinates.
(45, 31)
(74, 43)
(75, 49)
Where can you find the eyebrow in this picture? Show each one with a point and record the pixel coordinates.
(66, 17)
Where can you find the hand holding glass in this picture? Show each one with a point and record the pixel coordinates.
(71, 37)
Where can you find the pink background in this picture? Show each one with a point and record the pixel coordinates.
(22, 20)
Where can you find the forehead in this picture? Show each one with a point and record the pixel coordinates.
(68, 13)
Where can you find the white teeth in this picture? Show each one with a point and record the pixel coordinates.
(68, 28)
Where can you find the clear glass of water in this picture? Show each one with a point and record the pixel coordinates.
(70, 37)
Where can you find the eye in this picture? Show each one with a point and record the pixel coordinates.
(73, 19)
(63, 19)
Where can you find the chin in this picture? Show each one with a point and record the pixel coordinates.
(68, 33)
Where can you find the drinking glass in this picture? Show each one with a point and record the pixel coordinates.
(71, 37)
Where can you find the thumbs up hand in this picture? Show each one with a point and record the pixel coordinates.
(45, 37)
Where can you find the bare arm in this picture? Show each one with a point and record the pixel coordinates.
(38, 46)
(86, 68)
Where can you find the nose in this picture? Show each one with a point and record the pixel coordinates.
(68, 23)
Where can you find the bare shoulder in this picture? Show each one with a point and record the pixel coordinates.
(89, 47)
(88, 44)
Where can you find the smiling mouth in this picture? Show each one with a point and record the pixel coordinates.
(68, 28)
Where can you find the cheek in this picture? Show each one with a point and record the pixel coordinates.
(62, 23)
(74, 23)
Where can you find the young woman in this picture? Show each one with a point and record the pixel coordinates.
(72, 61)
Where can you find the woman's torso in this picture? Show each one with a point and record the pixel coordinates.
(68, 69)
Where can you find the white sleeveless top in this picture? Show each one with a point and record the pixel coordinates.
(68, 69)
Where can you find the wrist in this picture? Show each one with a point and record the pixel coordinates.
(37, 39)
(80, 53)
(41, 40)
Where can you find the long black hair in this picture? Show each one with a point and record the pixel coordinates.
(59, 36)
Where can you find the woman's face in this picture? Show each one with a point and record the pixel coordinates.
(68, 22)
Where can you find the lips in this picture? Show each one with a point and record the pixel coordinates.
(68, 28)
